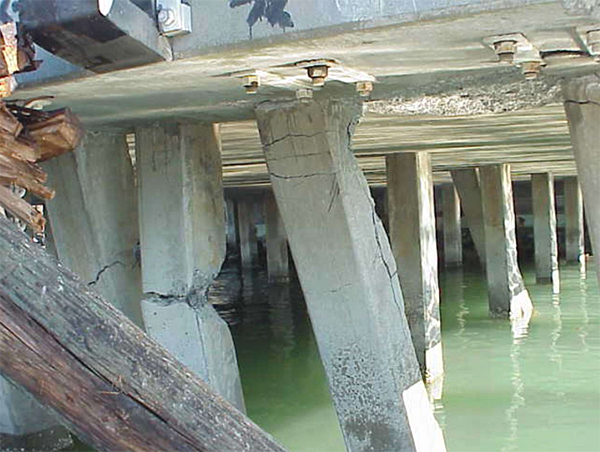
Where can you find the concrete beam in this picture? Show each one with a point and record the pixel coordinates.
(277, 247)
(467, 185)
(94, 220)
(508, 297)
(182, 231)
(575, 234)
(452, 227)
(348, 276)
(582, 105)
(544, 230)
(413, 240)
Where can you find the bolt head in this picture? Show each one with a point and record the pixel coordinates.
(593, 41)
(318, 74)
(505, 50)
(166, 16)
(251, 84)
(364, 89)
(531, 69)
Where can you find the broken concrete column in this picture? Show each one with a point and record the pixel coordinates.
(507, 295)
(182, 231)
(582, 105)
(573, 201)
(277, 248)
(94, 228)
(452, 227)
(467, 185)
(544, 230)
(348, 276)
(94, 218)
(413, 240)
(247, 233)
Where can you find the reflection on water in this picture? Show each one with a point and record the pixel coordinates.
(537, 390)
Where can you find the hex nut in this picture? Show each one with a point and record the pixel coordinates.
(593, 41)
(364, 88)
(251, 84)
(166, 16)
(531, 69)
(318, 74)
(506, 50)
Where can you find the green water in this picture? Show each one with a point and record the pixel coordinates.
(536, 392)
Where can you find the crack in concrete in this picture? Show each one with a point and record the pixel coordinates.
(294, 135)
(194, 298)
(102, 270)
(581, 102)
(295, 156)
(301, 176)
(335, 192)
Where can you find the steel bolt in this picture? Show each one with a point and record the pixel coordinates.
(531, 69)
(166, 16)
(593, 41)
(505, 51)
(364, 89)
(318, 74)
(251, 84)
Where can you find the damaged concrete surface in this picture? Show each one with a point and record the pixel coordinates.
(94, 220)
(348, 275)
(182, 240)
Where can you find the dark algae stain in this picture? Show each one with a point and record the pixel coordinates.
(273, 11)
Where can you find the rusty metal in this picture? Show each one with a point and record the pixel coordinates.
(506, 50)
(318, 74)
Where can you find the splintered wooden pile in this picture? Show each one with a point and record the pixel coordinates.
(27, 136)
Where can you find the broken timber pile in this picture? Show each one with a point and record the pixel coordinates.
(112, 384)
(26, 135)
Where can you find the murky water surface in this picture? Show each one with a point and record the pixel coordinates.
(538, 392)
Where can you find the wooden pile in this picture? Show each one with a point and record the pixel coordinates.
(27, 136)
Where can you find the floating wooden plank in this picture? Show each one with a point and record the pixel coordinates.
(21, 209)
(112, 384)
(57, 134)
(27, 175)
(9, 122)
(19, 148)
(9, 47)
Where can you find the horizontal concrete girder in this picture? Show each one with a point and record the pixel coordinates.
(413, 50)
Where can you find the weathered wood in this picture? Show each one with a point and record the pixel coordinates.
(27, 175)
(21, 209)
(55, 133)
(19, 149)
(8, 122)
(112, 384)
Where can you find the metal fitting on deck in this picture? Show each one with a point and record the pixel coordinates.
(531, 69)
(364, 89)
(251, 84)
(174, 17)
(506, 50)
(593, 43)
(318, 74)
